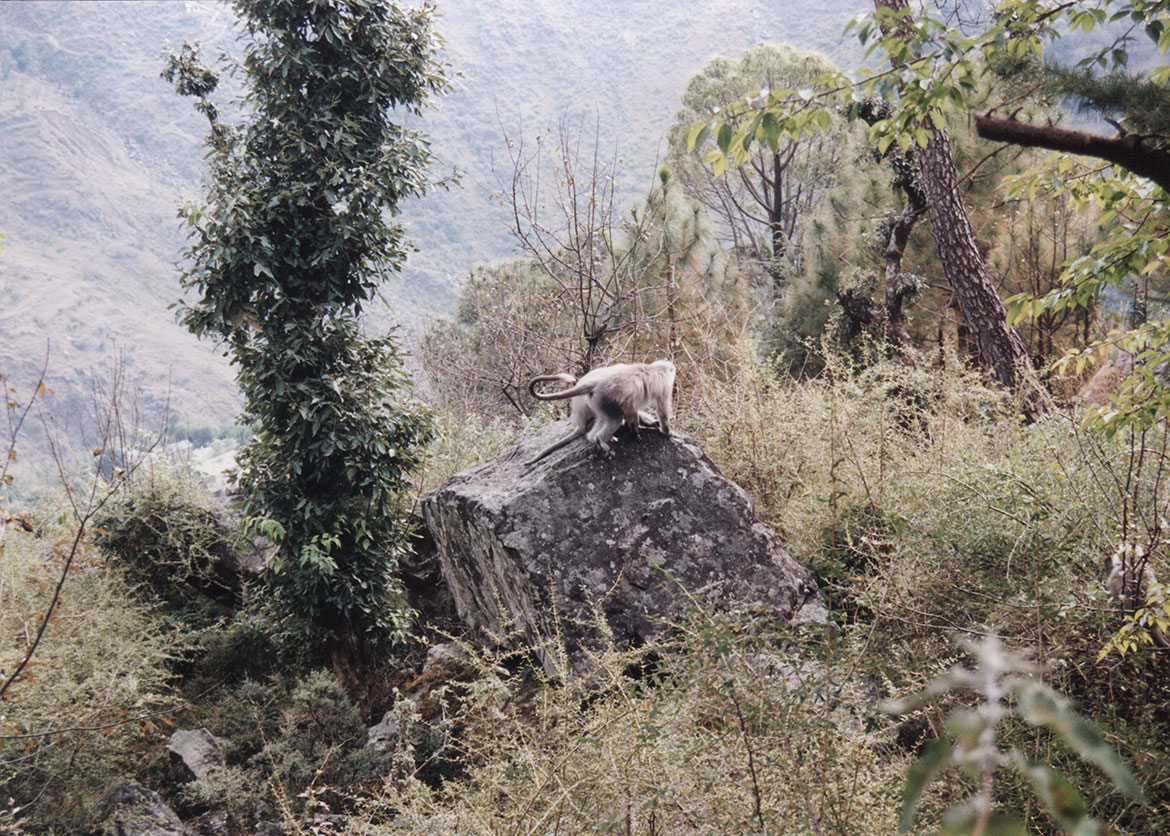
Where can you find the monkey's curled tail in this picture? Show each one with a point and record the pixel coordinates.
(583, 389)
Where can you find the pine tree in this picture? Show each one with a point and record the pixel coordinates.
(998, 348)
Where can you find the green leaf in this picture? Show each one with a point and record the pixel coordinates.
(769, 128)
(1041, 706)
(1018, 307)
(966, 726)
(934, 759)
(697, 135)
(1059, 796)
(724, 136)
(963, 820)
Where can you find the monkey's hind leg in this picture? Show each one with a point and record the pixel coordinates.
(607, 420)
(645, 419)
(602, 432)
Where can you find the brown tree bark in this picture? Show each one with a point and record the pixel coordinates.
(999, 349)
(896, 290)
(862, 312)
(351, 666)
(1126, 151)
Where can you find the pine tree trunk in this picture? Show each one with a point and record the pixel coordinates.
(998, 348)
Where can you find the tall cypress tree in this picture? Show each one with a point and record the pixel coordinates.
(292, 241)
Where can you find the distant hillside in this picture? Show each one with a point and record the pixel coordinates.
(96, 155)
(97, 152)
(524, 64)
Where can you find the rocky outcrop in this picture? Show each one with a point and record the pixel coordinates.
(580, 544)
(194, 753)
(237, 560)
(130, 809)
(422, 579)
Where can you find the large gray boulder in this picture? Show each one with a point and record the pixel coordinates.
(579, 533)
(130, 809)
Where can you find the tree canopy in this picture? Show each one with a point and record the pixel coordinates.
(762, 203)
(290, 245)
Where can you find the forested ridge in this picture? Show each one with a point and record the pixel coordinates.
(924, 336)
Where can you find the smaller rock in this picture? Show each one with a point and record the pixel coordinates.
(213, 824)
(320, 824)
(129, 809)
(385, 733)
(194, 753)
(269, 828)
(814, 613)
(444, 654)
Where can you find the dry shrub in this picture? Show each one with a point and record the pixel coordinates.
(159, 532)
(735, 731)
(87, 708)
(930, 510)
(462, 443)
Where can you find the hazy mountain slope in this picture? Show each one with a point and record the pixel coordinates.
(96, 152)
(524, 64)
(94, 155)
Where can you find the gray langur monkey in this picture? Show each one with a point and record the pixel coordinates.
(1130, 578)
(612, 396)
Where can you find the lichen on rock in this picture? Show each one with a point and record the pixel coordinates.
(547, 548)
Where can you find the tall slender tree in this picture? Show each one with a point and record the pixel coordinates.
(291, 243)
(998, 347)
(762, 203)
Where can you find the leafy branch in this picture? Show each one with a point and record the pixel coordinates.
(1007, 686)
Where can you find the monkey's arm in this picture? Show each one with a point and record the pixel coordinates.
(645, 419)
(663, 410)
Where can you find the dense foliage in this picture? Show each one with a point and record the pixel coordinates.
(291, 245)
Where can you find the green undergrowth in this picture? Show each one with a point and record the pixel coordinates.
(931, 515)
(741, 728)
